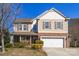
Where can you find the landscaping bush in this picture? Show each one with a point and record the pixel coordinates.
(19, 45)
(6, 36)
(77, 43)
(38, 44)
(25, 43)
(72, 44)
(8, 45)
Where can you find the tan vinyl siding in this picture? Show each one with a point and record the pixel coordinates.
(52, 30)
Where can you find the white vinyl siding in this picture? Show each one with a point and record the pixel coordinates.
(58, 25)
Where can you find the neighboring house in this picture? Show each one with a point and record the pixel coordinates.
(51, 27)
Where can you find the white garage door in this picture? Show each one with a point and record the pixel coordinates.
(57, 43)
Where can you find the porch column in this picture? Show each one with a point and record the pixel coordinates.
(20, 38)
(30, 41)
(11, 39)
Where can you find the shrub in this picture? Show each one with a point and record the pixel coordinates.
(77, 44)
(6, 36)
(19, 45)
(72, 44)
(38, 44)
(8, 45)
(25, 43)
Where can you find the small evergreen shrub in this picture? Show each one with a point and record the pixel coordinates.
(19, 45)
(38, 44)
(77, 43)
(9, 45)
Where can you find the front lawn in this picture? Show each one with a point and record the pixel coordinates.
(23, 52)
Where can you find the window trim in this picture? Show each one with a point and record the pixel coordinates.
(19, 27)
(25, 26)
(49, 25)
(56, 26)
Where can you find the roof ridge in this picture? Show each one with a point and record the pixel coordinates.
(52, 9)
(57, 12)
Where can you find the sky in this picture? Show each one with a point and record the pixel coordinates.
(31, 10)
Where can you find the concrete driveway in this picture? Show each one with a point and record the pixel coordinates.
(62, 51)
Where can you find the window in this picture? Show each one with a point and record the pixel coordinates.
(25, 27)
(19, 27)
(58, 25)
(46, 25)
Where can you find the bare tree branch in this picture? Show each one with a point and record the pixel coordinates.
(8, 13)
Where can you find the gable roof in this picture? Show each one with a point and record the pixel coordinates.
(57, 12)
(52, 9)
(23, 20)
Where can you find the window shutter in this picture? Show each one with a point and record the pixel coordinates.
(27, 27)
(50, 24)
(43, 25)
(58, 25)
(61, 25)
(55, 25)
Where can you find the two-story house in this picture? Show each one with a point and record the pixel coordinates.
(51, 26)
(22, 31)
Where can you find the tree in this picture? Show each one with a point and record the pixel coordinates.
(8, 13)
(74, 37)
(6, 37)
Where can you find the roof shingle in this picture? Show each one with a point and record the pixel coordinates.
(23, 33)
(23, 21)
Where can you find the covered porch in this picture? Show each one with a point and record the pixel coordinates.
(27, 37)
